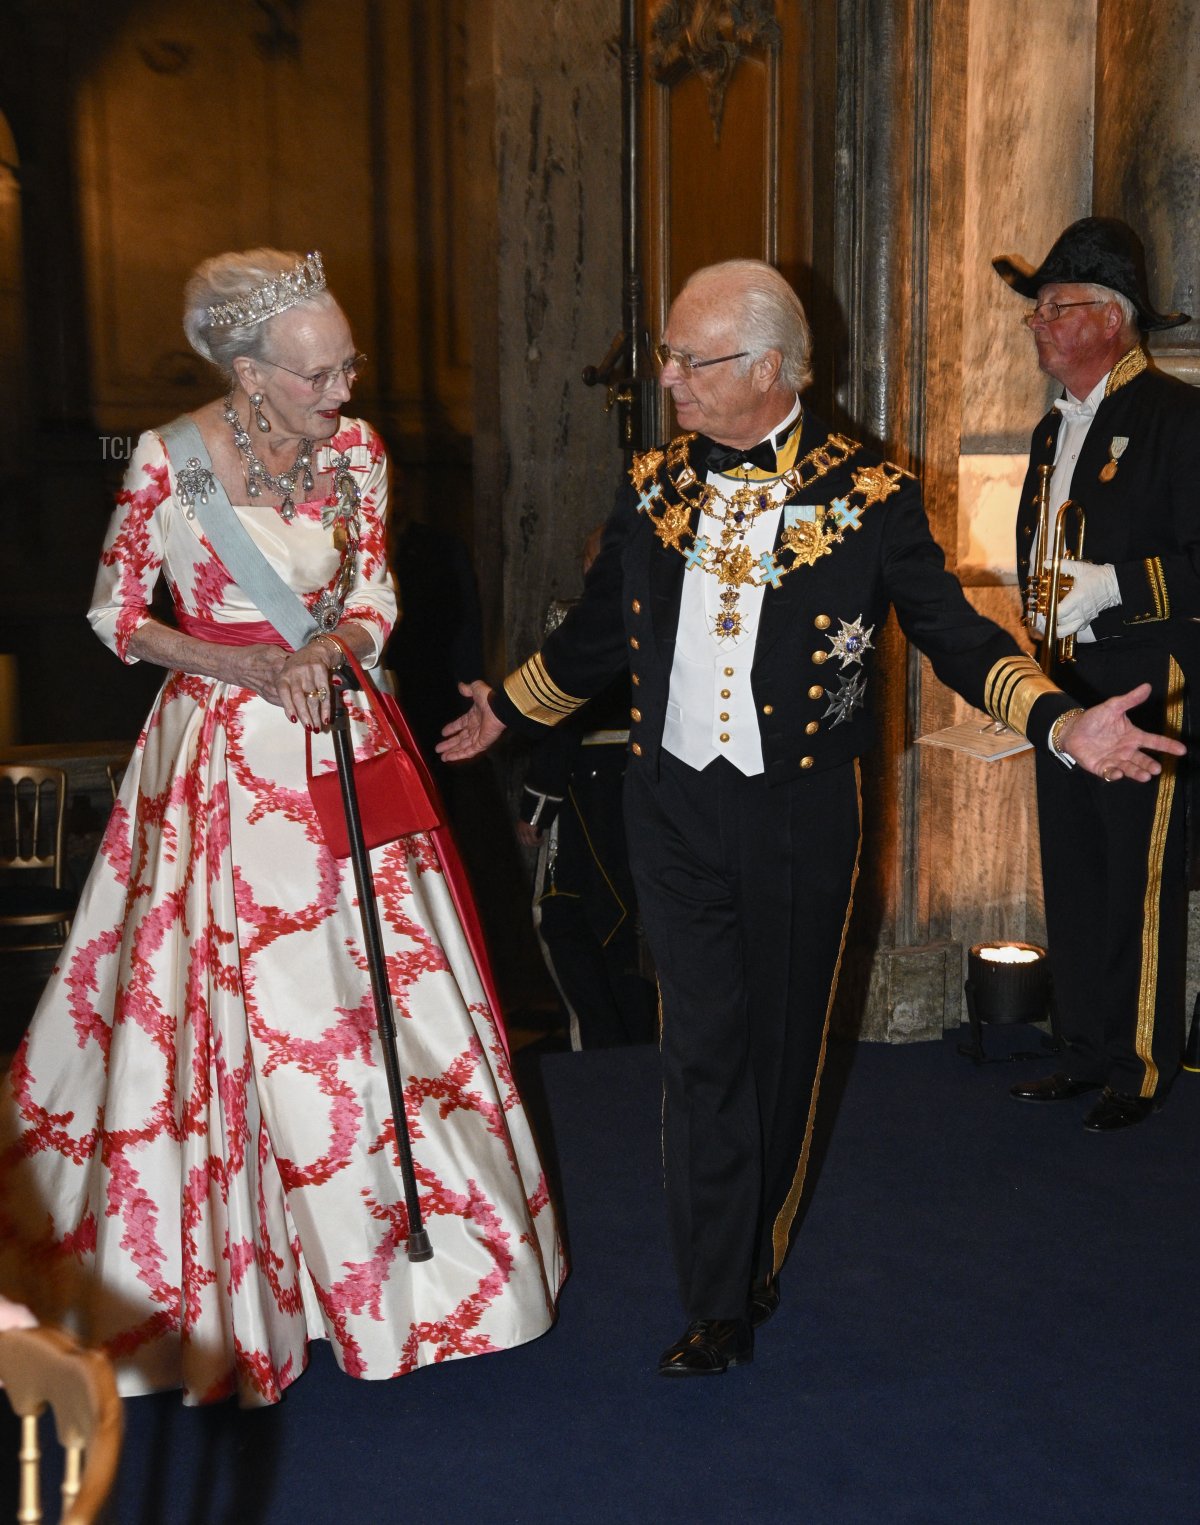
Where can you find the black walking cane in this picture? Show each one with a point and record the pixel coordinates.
(417, 1246)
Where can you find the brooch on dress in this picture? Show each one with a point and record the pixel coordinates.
(194, 481)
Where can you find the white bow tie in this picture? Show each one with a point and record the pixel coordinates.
(1074, 411)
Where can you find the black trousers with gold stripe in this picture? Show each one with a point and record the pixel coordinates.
(1115, 878)
(745, 894)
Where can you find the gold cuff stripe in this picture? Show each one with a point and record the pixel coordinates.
(781, 1229)
(536, 694)
(1012, 688)
(1158, 587)
(1152, 903)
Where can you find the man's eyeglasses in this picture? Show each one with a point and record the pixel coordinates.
(321, 381)
(1050, 312)
(664, 354)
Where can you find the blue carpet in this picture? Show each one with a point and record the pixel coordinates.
(986, 1319)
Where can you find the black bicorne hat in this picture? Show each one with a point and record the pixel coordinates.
(1095, 251)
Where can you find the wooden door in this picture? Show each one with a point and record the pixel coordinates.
(732, 112)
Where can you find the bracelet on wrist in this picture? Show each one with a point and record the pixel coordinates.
(339, 660)
(1055, 736)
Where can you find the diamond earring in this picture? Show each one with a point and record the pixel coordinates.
(264, 424)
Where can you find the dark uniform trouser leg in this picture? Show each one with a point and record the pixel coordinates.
(745, 893)
(1113, 866)
(589, 925)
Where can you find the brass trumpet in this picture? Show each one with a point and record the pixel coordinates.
(1048, 583)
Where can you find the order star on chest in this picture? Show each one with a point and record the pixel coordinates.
(851, 643)
(850, 695)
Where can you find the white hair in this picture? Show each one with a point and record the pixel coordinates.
(1119, 300)
(769, 316)
(232, 277)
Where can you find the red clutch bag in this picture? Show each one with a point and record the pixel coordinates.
(393, 799)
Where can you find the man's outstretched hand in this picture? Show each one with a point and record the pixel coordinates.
(1104, 741)
(475, 731)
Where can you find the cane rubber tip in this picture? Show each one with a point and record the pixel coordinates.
(418, 1246)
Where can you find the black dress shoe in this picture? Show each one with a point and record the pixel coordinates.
(1052, 1088)
(1116, 1111)
(764, 1299)
(707, 1347)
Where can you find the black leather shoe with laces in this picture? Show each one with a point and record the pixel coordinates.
(707, 1347)
(1115, 1111)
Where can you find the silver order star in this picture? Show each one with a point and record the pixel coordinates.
(850, 694)
(852, 641)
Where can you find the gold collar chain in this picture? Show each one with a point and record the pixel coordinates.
(810, 531)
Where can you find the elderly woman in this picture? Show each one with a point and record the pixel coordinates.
(197, 1158)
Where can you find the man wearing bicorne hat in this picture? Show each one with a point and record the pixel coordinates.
(744, 580)
(1124, 444)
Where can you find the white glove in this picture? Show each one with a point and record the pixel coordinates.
(1094, 588)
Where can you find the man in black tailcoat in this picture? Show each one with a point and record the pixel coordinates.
(745, 577)
(1124, 444)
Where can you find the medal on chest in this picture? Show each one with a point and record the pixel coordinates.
(1116, 450)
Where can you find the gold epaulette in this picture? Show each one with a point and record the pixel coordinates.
(1012, 688)
(536, 694)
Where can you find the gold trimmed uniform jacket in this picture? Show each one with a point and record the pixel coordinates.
(853, 540)
(1138, 481)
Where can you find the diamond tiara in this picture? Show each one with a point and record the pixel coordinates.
(272, 297)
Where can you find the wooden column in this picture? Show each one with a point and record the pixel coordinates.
(897, 251)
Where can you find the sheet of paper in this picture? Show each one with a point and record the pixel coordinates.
(983, 738)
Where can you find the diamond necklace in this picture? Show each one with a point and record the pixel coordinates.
(259, 478)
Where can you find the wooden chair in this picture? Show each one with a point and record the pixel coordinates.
(35, 903)
(45, 1367)
(116, 772)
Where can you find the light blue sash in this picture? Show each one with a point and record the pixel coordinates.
(231, 540)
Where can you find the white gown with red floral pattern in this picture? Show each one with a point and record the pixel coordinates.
(197, 1160)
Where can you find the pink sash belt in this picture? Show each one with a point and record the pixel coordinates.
(253, 633)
